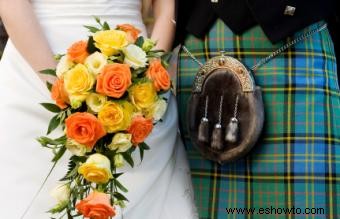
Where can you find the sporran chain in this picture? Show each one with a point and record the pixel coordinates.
(273, 54)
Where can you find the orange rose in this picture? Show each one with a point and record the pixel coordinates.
(78, 52)
(96, 206)
(84, 128)
(159, 75)
(140, 129)
(114, 80)
(131, 31)
(59, 94)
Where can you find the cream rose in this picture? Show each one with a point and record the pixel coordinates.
(61, 193)
(75, 148)
(96, 62)
(158, 109)
(95, 101)
(134, 56)
(121, 142)
(63, 66)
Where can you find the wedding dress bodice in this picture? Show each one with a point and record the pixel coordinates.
(63, 20)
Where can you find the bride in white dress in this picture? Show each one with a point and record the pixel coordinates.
(159, 187)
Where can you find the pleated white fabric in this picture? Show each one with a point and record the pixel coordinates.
(159, 187)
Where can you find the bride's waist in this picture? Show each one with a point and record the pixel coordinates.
(61, 32)
(77, 9)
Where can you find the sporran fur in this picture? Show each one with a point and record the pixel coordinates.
(232, 129)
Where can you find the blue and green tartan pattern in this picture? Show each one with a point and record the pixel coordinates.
(296, 163)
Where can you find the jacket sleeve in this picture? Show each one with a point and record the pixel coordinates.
(182, 16)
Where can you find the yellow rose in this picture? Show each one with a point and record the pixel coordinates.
(75, 148)
(143, 95)
(96, 62)
(95, 101)
(121, 141)
(134, 56)
(116, 116)
(118, 160)
(97, 169)
(77, 83)
(110, 41)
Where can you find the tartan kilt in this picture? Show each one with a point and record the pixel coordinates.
(296, 162)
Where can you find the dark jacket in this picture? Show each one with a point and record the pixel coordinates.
(197, 16)
(334, 28)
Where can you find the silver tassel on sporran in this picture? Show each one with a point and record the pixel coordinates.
(203, 128)
(232, 128)
(217, 140)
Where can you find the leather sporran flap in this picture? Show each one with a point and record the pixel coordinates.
(225, 110)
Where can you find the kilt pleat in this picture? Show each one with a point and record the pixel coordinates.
(296, 162)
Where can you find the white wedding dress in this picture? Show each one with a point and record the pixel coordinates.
(159, 187)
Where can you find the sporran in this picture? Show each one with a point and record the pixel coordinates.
(225, 110)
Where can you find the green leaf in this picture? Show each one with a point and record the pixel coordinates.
(166, 56)
(51, 107)
(92, 29)
(57, 141)
(97, 19)
(120, 186)
(131, 150)
(59, 154)
(57, 57)
(141, 152)
(68, 112)
(116, 175)
(128, 158)
(139, 41)
(62, 116)
(77, 159)
(49, 72)
(54, 123)
(165, 64)
(91, 48)
(118, 57)
(119, 196)
(71, 172)
(58, 208)
(106, 26)
(156, 51)
(49, 86)
(48, 141)
(139, 71)
(144, 146)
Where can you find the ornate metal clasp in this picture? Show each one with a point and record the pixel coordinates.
(224, 62)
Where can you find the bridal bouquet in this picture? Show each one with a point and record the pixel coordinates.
(107, 100)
